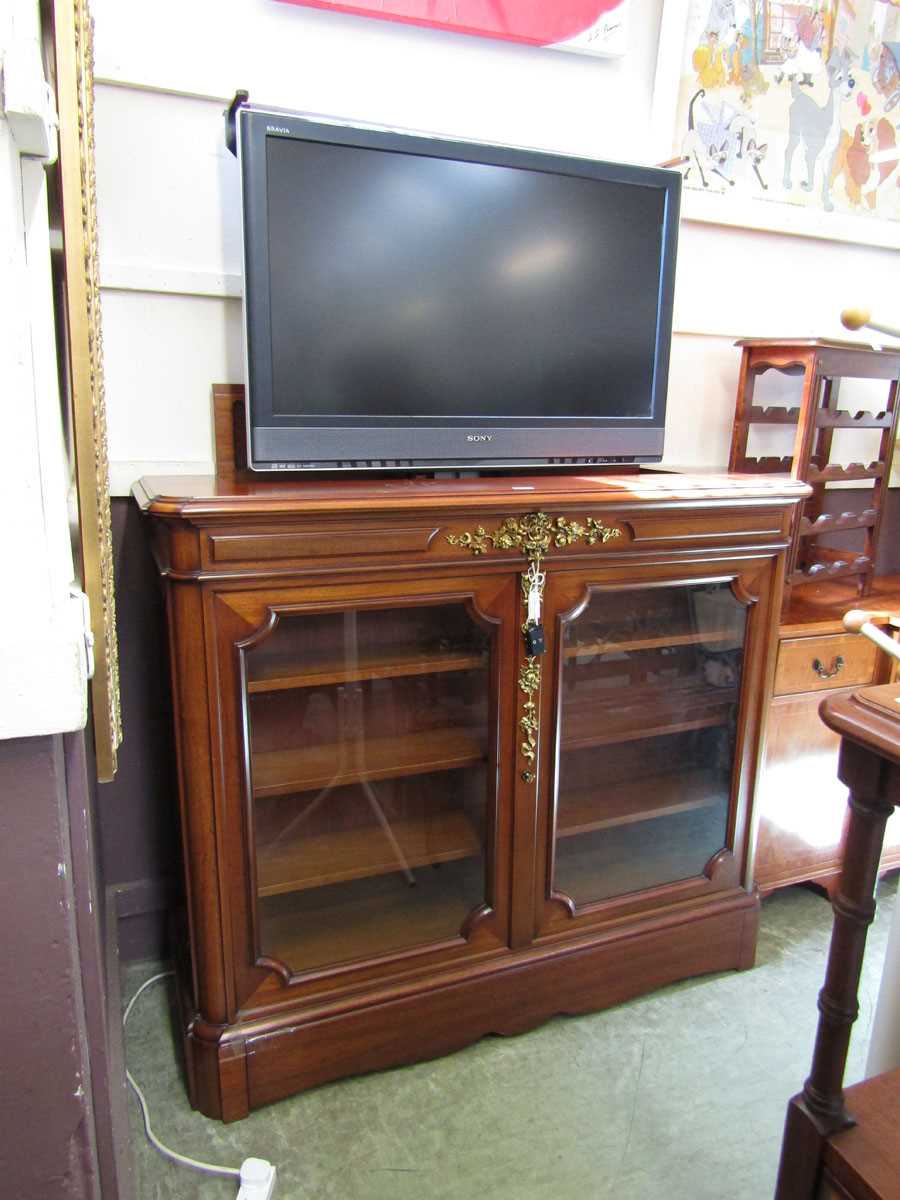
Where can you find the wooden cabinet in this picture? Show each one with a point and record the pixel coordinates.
(403, 829)
(801, 803)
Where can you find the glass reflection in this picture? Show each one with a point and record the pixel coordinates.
(368, 745)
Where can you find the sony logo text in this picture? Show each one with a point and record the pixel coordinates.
(479, 437)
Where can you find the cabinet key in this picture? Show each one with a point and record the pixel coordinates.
(534, 640)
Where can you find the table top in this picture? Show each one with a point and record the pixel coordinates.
(866, 1158)
(870, 717)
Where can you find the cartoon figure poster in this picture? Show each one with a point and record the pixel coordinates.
(793, 107)
(585, 26)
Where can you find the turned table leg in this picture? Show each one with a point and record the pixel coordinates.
(818, 1111)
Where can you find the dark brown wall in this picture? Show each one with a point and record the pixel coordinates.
(138, 810)
(47, 1143)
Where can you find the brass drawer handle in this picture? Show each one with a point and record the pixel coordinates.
(823, 672)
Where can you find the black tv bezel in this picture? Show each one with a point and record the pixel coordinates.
(316, 443)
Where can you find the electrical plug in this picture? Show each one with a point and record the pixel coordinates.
(257, 1180)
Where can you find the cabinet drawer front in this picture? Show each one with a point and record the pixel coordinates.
(816, 663)
(225, 549)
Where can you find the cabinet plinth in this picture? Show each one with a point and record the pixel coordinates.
(401, 831)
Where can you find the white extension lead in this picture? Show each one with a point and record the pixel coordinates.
(256, 1176)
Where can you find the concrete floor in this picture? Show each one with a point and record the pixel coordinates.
(680, 1094)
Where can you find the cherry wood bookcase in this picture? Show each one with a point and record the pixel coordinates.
(402, 831)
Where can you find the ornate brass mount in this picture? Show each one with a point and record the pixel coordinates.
(534, 534)
(529, 685)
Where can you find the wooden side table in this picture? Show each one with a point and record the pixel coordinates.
(868, 722)
(820, 365)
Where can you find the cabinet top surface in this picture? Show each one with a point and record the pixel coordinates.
(811, 343)
(209, 495)
(818, 608)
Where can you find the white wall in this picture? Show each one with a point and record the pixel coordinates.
(43, 685)
(168, 196)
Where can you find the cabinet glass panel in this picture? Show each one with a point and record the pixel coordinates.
(649, 697)
(368, 735)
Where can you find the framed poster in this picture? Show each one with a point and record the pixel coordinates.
(784, 116)
(584, 26)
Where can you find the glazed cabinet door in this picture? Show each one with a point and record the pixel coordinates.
(652, 691)
(365, 791)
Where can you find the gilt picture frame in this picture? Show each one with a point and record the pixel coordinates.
(783, 117)
(74, 78)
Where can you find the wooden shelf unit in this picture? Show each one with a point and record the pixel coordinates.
(820, 365)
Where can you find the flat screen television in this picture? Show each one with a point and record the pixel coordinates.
(411, 301)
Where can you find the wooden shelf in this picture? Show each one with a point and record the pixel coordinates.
(280, 673)
(835, 473)
(621, 861)
(826, 418)
(641, 711)
(768, 465)
(638, 800)
(826, 523)
(281, 772)
(756, 415)
(649, 643)
(832, 569)
(324, 858)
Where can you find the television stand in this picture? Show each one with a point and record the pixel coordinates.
(356, 710)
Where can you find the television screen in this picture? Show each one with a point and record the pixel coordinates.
(410, 293)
